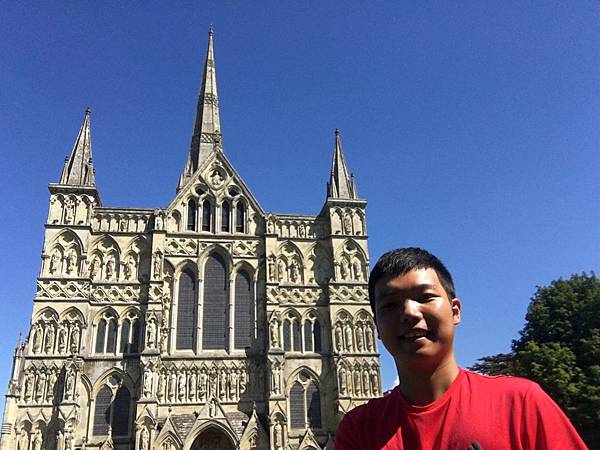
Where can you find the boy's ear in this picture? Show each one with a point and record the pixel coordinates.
(456, 308)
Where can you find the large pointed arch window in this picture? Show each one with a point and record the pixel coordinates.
(215, 322)
(191, 215)
(186, 311)
(244, 311)
(113, 412)
(206, 215)
(304, 403)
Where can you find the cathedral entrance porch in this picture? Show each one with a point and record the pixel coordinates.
(212, 439)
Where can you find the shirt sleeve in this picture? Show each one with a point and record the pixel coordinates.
(547, 427)
(346, 435)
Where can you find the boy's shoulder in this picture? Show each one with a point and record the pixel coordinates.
(499, 384)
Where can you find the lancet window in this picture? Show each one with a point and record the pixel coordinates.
(312, 334)
(206, 215)
(244, 311)
(215, 324)
(186, 311)
(225, 217)
(240, 217)
(130, 334)
(292, 339)
(191, 215)
(106, 333)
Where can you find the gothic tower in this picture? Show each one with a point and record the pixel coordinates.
(208, 324)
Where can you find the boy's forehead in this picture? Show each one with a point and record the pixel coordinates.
(415, 278)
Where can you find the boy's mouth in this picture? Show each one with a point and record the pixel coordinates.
(413, 335)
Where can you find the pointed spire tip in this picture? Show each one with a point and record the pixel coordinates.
(211, 30)
(337, 131)
(88, 110)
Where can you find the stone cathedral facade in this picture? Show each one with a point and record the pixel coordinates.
(208, 324)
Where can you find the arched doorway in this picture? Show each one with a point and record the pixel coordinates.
(212, 439)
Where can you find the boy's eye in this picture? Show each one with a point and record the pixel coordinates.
(427, 297)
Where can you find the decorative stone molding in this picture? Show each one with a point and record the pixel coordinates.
(110, 293)
(348, 294)
(181, 247)
(62, 289)
(294, 295)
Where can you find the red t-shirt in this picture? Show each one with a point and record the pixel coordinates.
(496, 412)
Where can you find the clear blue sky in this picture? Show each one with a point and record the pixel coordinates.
(473, 128)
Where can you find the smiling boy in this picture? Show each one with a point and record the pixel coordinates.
(438, 405)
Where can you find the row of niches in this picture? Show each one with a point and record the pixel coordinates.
(197, 384)
(348, 221)
(105, 261)
(32, 438)
(290, 266)
(48, 385)
(294, 228)
(354, 335)
(54, 335)
(71, 209)
(120, 222)
(358, 380)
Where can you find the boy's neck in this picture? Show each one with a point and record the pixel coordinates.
(421, 386)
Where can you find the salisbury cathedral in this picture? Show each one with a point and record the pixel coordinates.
(207, 324)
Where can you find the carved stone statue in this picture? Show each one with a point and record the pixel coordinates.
(339, 338)
(23, 443)
(148, 375)
(70, 262)
(75, 338)
(53, 265)
(127, 269)
(202, 384)
(157, 265)
(243, 380)
(172, 386)
(357, 382)
(62, 339)
(110, 269)
(366, 382)
(370, 339)
(233, 385)
(192, 383)
(294, 271)
(212, 408)
(357, 271)
(274, 328)
(94, 267)
(40, 391)
(144, 439)
(50, 389)
(345, 269)
(342, 380)
(374, 381)
(37, 441)
(348, 337)
(347, 222)
(151, 334)
(160, 390)
(69, 211)
(360, 339)
(69, 440)
(281, 271)
(276, 379)
(28, 390)
(49, 344)
(69, 384)
(278, 436)
(181, 387)
(222, 385)
(37, 339)
(271, 269)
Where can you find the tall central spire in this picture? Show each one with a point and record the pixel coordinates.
(207, 125)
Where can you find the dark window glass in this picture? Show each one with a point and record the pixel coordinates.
(124, 347)
(100, 336)
(111, 338)
(287, 335)
(297, 336)
(313, 401)
(206, 215)
(317, 335)
(308, 336)
(191, 215)
(225, 217)
(240, 217)
(135, 337)
(215, 323)
(297, 408)
(244, 311)
(186, 311)
(102, 412)
(120, 413)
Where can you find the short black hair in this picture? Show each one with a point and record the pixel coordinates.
(403, 260)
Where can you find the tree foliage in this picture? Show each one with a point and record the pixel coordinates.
(559, 348)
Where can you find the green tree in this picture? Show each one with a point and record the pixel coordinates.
(559, 348)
